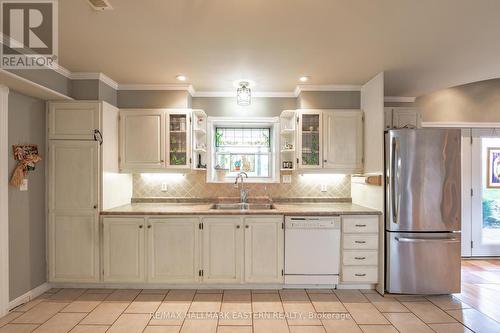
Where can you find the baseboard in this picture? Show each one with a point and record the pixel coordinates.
(355, 286)
(33, 293)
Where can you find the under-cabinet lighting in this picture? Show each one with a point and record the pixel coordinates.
(322, 177)
(163, 177)
(181, 77)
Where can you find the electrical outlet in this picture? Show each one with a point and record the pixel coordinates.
(286, 179)
(324, 188)
(24, 185)
(164, 187)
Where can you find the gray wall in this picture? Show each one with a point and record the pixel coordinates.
(473, 102)
(47, 78)
(227, 106)
(27, 209)
(152, 99)
(399, 104)
(329, 100)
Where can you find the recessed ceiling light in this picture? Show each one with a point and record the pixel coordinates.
(181, 77)
(304, 78)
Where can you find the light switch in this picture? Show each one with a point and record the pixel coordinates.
(164, 187)
(24, 185)
(324, 188)
(286, 179)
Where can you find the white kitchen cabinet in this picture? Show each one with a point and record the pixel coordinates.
(76, 120)
(343, 140)
(142, 139)
(264, 249)
(73, 198)
(173, 250)
(123, 249)
(310, 137)
(222, 249)
(401, 117)
(178, 139)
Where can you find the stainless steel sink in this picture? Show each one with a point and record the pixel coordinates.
(243, 206)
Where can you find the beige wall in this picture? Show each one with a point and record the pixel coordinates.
(474, 102)
(27, 209)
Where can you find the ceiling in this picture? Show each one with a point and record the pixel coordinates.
(422, 45)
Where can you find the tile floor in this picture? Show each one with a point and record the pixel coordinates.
(292, 311)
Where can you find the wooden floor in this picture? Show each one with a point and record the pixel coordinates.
(475, 309)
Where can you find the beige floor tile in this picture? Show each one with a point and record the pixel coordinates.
(130, 323)
(326, 303)
(199, 326)
(9, 317)
(407, 323)
(238, 307)
(265, 291)
(346, 325)
(237, 291)
(448, 302)
(209, 291)
(162, 329)
(44, 296)
(365, 313)
(105, 313)
(390, 306)
(180, 295)
(428, 312)
(206, 303)
(61, 323)
(100, 291)
(368, 291)
(300, 313)
(376, 297)
(378, 329)
(307, 329)
(450, 328)
(170, 313)
(85, 303)
(266, 303)
(475, 320)
(67, 294)
(410, 298)
(155, 291)
(18, 328)
(294, 295)
(145, 303)
(234, 329)
(27, 306)
(125, 295)
(89, 329)
(350, 296)
(270, 326)
(40, 313)
(53, 290)
(319, 291)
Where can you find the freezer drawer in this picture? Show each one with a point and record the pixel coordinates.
(418, 263)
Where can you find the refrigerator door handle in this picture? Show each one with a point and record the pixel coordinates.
(420, 240)
(395, 180)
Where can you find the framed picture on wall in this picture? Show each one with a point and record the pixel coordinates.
(493, 180)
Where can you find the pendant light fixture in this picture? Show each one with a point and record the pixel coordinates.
(244, 94)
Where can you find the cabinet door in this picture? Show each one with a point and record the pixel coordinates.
(222, 250)
(142, 139)
(74, 120)
(73, 235)
(179, 146)
(405, 117)
(264, 249)
(310, 139)
(123, 249)
(173, 250)
(343, 132)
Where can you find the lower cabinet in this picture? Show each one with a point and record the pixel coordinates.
(123, 249)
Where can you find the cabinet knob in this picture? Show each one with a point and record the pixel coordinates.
(325, 161)
(140, 227)
(238, 226)
(162, 161)
(95, 206)
(149, 226)
(247, 226)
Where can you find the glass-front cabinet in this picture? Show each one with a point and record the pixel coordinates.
(310, 139)
(179, 153)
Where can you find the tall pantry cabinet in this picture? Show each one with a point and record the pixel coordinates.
(78, 133)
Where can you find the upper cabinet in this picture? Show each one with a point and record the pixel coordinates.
(402, 117)
(155, 139)
(74, 120)
(330, 139)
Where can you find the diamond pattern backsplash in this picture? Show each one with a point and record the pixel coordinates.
(194, 185)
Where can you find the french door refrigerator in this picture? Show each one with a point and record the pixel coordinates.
(423, 211)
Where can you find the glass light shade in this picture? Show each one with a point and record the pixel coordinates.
(243, 94)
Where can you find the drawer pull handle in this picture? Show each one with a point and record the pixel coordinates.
(360, 258)
(360, 242)
(360, 225)
(357, 274)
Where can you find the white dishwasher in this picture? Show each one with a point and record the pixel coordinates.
(312, 250)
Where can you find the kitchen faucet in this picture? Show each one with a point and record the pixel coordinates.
(243, 192)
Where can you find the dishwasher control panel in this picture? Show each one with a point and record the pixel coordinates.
(313, 222)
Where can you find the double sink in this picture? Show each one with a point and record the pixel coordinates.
(243, 206)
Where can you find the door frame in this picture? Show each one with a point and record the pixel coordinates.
(4, 201)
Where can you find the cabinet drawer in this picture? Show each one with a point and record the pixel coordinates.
(366, 224)
(361, 242)
(360, 274)
(360, 258)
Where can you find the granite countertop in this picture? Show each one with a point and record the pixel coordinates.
(288, 208)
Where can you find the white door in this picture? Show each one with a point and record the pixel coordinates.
(405, 117)
(142, 139)
(173, 250)
(264, 249)
(73, 211)
(310, 139)
(74, 120)
(343, 140)
(485, 177)
(178, 139)
(123, 249)
(222, 249)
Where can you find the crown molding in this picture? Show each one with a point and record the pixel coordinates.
(256, 94)
(399, 99)
(94, 76)
(173, 86)
(333, 87)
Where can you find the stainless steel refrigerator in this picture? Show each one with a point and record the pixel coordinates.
(423, 211)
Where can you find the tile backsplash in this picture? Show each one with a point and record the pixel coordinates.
(194, 185)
